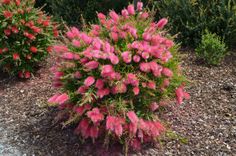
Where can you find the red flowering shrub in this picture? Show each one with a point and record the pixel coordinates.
(116, 75)
(26, 35)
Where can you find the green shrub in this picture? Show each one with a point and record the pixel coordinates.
(212, 49)
(26, 35)
(190, 18)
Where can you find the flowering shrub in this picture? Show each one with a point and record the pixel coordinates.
(116, 75)
(26, 35)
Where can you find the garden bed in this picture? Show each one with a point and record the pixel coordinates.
(206, 122)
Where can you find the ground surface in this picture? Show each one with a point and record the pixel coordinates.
(207, 121)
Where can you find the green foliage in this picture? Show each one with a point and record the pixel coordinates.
(190, 18)
(211, 49)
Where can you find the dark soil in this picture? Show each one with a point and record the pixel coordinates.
(204, 125)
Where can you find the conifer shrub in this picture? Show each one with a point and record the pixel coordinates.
(26, 36)
(116, 75)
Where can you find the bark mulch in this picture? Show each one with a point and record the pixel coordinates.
(204, 125)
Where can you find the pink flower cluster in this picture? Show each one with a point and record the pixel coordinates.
(112, 67)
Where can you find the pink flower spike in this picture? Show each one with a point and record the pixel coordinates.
(53, 98)
(131, 9)
(95, 115)
(62, 98)
(91, 65)
(114, 36)
(114, 59)
(82, 89)
(127, 57)
(125, 13)
(89, 81)
(136, 90)
(139, 6)
(101, 16)
(99, 84)
(145, 67)
(76, 43)
(152, 85)
(145, 55)
(77, 75)
(167, 72)
(94, 132)
(114, 16)
(154, 106)
(162, 23)
(144, 15)
(136, 58)
(133, 117)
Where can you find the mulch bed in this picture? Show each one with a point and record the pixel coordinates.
(207, 122)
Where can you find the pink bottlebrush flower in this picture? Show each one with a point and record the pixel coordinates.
(132, 79)
(16, 56)
(125, 13)
(166, 83)
(145, 67)
(136, 144)
(103, 92)
(62, 98)
(133, 32)
(89, 81)
(114, 124)
(156, 69)
(114, 16)
(7, 32)
(83, 128)
(99, 84)
(91, 65)
(166, 56)
(169, 43)
(131, 9)
(60, 48)
(79, 110)
(167, 72)
(154, 106)
(82, 89)
(136, 58)
(14, 29)
(7, 14)
(139, 6)
(76, 43)
(53, 98)
(114, 36)
(95, 115)
(33, 49)
(57, 84)
(84, 60)
(114, 59)
(96, 27)
(107, 70)
(97, 44)
(162, 23)
(77, 75)
(106, 47)
(133, 129)
(147, 36)
(84, 37)
(123, 35)
(145, 55)
(136, 90)
(68, 56)
(132, 117)
(151, 85)
(94, 132)
(27, 74)
(144, 85)
(101, 16)
(180, 95)
(58, 75)
(126, 56)
(144, 15)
